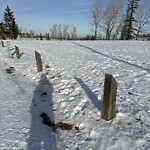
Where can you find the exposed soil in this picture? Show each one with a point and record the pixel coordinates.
(60, 125)
(10, 70)
(47, 66)
(130, 93)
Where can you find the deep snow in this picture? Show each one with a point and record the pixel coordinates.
(73, 78)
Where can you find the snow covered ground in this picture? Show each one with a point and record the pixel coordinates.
(70, 90)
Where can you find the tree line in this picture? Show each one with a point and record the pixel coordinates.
(57, 32)
(116, 21)
(112, 21)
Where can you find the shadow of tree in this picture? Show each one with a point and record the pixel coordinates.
(90, 94)
(41, 137)
(105, 55)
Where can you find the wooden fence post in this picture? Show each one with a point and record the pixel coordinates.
(8, 49)
(38, 61)
(109, 101)
(2, 44)
(17, 52)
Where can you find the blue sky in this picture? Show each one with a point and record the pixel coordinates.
(39, 15)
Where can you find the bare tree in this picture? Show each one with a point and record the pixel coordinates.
(142, 16)
(31, 34)
(54, 31)
(65, 32)
(96, 17)
(110, 16)
(59, 31)
(74, 33)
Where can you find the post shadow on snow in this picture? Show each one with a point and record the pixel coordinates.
(41, 136)
(105, 55)
(21, 54)
(90, 94)
(12, 55)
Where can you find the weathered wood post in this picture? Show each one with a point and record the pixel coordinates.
(8, 44)
(8, 49)
(2, 43)
(109, 101)
(17, 52)
(38, 61)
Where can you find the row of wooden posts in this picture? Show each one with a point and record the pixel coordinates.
(18, 55)
(110, 88)
(8, 47)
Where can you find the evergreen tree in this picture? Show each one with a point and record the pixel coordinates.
(2, 36)
(47, 36)
(128, 29)
(10, 25)
(41, 36)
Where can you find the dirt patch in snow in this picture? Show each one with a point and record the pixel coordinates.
(10, 70)
(60, 125)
